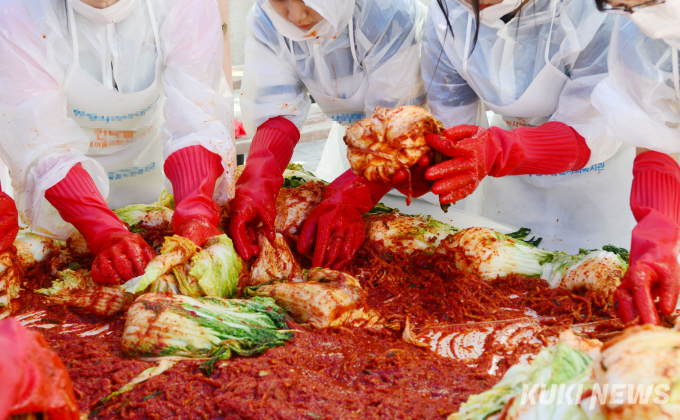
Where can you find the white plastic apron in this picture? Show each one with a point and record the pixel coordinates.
(334, 160)
(123, 128)
(540, 99)
(587, 208)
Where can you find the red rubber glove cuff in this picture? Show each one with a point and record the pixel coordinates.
(80, 203)
(274, 141)
(191, 168)
(193, 172)
(259, 184)
(34, 380)
(656, 185)
(269, 155)
(9, 221)
(549, 149)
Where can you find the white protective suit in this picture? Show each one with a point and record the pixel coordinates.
(541, 65)
(640, 99)
(365, 53)
(117, 89)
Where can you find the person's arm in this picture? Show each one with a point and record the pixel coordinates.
(259, 184)
(653, 271)
(391, 55)
(578, 99)
(476, 153)
(567, 142)
(638, 100)
(271, 85)
(274, 105)
(120, 254)
(637, 105)
(199, 148)
(45, 149)
(39, 143)
(451, 100)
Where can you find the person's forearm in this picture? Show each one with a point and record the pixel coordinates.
(80, 203)
(198, 108)
(271, 86)
(653, 271)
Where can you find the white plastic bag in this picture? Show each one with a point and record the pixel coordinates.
(334, 160)
(5, 180)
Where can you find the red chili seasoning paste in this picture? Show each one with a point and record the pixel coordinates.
(329, 374)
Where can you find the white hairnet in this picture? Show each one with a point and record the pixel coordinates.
(39, 143)
(640, 99)
(507, 59)
(279, 70)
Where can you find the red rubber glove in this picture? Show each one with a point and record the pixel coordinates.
(34, 380)
(654, 270)
(417, 185)
(259, 184)
(193, 172)
(477, 152)
(120, 255)
(335, 225)
(9, 221)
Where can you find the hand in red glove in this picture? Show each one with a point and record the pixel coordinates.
(9, 221)
(414, 184)
(336, 225)
(476, 152)
(34, 380)
(259, 184)
(193, 172)
(120, 255)
(654, 270)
